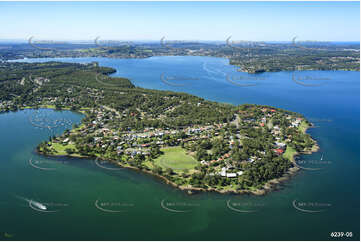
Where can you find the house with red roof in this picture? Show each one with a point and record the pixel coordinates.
(279, 151)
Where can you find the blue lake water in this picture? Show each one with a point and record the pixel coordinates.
(329, 99)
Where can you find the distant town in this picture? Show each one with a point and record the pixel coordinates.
(248, 56)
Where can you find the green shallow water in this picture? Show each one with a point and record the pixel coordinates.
(147, 209)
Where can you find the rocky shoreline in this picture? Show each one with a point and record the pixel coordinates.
(271, 185)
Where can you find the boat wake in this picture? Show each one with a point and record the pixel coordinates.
(37, 206)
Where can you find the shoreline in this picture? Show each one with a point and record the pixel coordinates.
(239, 68)
(269, 186)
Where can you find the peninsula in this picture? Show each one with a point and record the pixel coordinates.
(190, 143)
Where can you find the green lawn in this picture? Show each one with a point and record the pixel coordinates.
(175, 158)
(289, 153)
(60, 148)
(303, 126)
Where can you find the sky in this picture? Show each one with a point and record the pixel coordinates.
(252, 21)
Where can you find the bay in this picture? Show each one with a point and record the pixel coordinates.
(329, 99)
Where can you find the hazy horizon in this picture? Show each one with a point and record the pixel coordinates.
(80, 41)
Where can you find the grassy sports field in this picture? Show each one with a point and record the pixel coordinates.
(175, 158)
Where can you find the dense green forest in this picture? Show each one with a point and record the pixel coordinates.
(89, 86)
